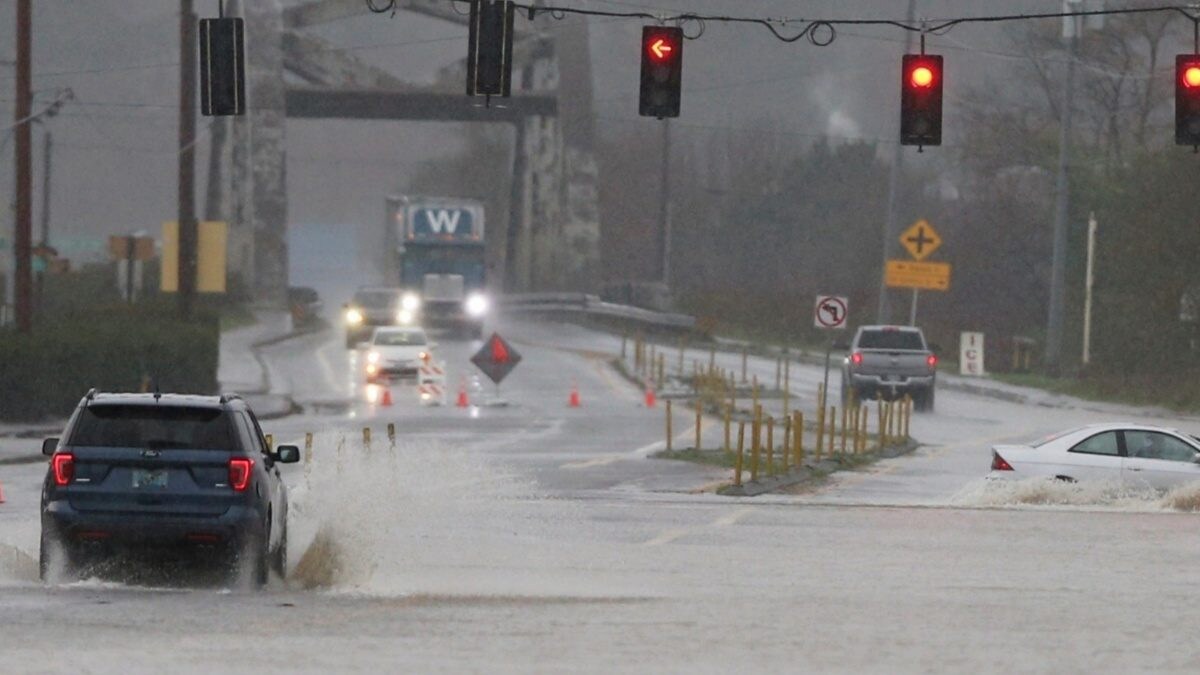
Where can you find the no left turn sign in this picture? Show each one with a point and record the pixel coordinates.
(831, 311)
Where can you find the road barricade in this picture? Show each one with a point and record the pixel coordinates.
(431, 384)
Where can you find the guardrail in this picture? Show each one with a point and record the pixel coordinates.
(593, 307)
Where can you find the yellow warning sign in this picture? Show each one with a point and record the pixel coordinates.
(920, 240)
(931, 276)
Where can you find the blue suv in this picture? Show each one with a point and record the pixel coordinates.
(164, 473)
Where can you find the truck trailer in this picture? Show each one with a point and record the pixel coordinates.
(438, 247)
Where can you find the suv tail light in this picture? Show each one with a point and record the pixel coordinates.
(932, 361)
(999, 463)
(239, 473)
(64, 468)
(856, 358)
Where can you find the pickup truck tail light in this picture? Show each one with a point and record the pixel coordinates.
(856, 358)
(932, 361)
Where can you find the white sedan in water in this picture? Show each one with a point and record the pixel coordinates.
(1134, 454)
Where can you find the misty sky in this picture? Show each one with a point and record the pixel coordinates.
(114, 159)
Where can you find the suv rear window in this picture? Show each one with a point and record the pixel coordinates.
(891, 339)
(153, 427)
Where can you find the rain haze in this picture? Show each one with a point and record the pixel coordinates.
(631, 335)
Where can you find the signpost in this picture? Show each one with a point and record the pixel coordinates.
(496, 358)
(830, 313)
(970, 354)
(920, 240)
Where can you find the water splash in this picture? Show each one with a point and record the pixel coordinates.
(1112, 495)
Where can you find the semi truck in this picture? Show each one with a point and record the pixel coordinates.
(437, 255)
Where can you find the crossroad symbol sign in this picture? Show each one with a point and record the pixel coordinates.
(496, 358)
(831, 311)
(920, 240)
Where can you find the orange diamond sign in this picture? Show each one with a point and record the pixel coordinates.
(920, 240)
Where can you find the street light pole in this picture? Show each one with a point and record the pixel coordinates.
(1062, 206)
(188, 236)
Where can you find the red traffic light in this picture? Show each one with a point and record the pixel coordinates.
(1191, 77)
(922, 76)
(660, 49)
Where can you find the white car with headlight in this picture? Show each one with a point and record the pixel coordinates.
(1137, 455)
(396, 353)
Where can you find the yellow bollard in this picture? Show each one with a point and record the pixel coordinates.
(833, 421)
(798, 438)
(732, 392)
(367, 439)
(755, 444)
(820, 434)
(754, 390)
(785, 452)
(845, 423)
(908, 411)
(860, 430)
(727, 420)
(743, 364)
(668, 408)
(770, 446)
(682, 349)
(882, 428)
(391, 432)
(308, 443)
(699, 412)
(741, 453)
(821, 397)
(270, 438)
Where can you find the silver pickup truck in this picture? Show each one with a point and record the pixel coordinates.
(888, 362)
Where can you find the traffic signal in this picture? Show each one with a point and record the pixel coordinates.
(662, 71)
(222, 67)
(1187, 100)
(921, 100)
(489, 53)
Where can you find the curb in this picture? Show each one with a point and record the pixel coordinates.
(811, 473)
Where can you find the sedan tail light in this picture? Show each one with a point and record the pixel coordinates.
(239, 473)
(999, 463)
(64, 468)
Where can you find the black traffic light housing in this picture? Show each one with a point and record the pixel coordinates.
(222, 67)
(662, 71)
(489, 54)
(1187, 100)
(921, 100)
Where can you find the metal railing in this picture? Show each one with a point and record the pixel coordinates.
(592, 306)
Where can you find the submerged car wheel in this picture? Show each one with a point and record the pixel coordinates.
(279, 560)
(54, 559)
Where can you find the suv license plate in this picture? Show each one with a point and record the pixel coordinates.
(143, 478)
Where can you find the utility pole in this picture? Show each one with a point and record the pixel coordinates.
(187, 159)
(1089, 281)
(47, 142)
(664, 208)
(23, 234)
(1062, 206)
(889, 223)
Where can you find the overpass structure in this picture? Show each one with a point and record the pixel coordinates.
(551, 232)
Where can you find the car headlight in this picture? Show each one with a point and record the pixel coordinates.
(354, 317)
(410, 301)
(373, 357)
(404, 316)
(477, 304)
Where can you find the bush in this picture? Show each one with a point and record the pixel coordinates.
(44, 374)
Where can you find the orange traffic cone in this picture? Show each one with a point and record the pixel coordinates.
(573, 400)
(651, 399)
(462, 394)
(387, 397)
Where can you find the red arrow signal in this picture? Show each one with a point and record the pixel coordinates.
(661, 49)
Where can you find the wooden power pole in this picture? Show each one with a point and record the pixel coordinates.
(23, 236)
